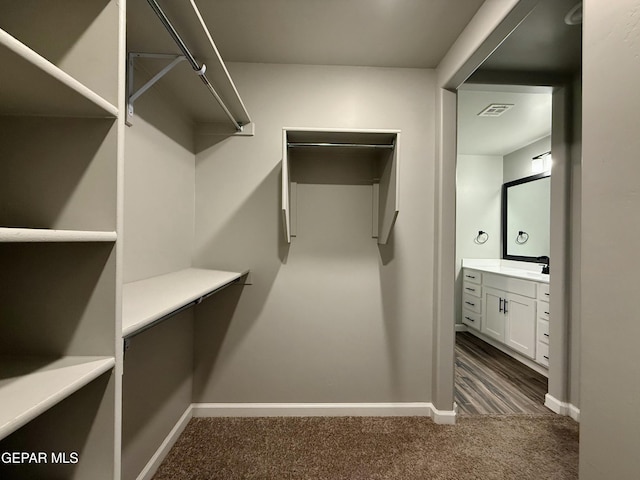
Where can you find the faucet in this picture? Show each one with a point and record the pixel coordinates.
(544, 261)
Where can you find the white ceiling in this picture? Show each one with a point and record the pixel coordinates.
(382, 33)
(528, 120)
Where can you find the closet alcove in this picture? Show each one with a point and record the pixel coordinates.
(338, 156)
(177, 88)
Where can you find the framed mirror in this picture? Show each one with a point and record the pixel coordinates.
(526, 212)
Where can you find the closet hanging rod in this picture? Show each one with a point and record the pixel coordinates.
(347, 145)
(199, 69)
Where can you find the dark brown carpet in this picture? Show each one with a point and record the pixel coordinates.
(501, 447)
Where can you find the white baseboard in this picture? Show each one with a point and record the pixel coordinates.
(152, 465)
(424, 409)
(574, 412)
(444, 417)
(561, 408)
(461, 327)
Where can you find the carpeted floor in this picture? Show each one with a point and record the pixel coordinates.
(486, 447)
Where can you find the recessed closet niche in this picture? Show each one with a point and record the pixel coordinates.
(339, 186)
(176, 86)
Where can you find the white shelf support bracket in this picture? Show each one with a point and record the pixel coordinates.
(132, 95)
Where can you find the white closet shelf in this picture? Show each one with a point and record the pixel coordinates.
(35, 235)
(31, 85)
(182, 82)
(29, 386)
(146, 301)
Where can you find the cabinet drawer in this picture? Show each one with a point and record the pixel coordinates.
(543, 310)
(510, 284)
(472, 289)
(472, 276)
(471, 319)
(469, 302)
(543, 331)
(542, 354)
(543, 291)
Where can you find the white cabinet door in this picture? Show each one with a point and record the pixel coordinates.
(521, 324)
(494, 317)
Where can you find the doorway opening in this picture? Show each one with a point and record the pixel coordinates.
(502, 228)
(542, 53)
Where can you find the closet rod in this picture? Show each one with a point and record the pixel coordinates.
(199, 69)
(348, 145)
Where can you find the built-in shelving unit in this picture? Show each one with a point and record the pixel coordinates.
(147, 34)
(148, 301)
(59, 144)
(31, 385)
(365, 156)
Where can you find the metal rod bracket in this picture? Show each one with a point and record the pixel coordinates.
(132, 95)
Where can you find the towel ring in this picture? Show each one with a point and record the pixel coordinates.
(481, 238)
(522, 237)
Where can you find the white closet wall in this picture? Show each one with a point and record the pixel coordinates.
(332, 317)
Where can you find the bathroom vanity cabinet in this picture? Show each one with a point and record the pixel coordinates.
(503, 305)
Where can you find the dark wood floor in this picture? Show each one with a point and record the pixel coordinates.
(489, 381)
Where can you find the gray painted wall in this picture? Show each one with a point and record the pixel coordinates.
(158, 238)
(478, 207)
(156, 389)
(334, 317)
(517, 164)
(158, 190)
(575, 244)
(610, 357)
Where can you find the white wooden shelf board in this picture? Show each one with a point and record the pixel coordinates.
(150, 36)
(31, 85)
(30, 386)
(145, 301)
(35, 235)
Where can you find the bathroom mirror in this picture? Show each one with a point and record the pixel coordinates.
(526, 212)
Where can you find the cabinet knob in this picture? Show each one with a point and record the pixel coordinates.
(469, 303)
(500, 307)
(505, 306)
(470, 319)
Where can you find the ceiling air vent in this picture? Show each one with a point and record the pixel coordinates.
(495, 110)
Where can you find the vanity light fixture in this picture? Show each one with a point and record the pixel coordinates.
(541, 163)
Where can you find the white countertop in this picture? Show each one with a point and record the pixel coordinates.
(523, 270)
